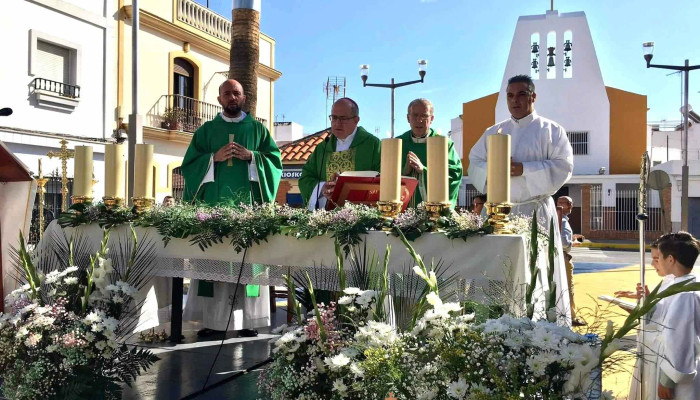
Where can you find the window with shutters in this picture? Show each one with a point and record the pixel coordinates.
(579, 142)
(54, 65)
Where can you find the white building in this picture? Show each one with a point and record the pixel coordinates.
(59, 79)
(606, 126)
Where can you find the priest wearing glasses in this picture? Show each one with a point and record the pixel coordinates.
(350, 148)
(420, 117)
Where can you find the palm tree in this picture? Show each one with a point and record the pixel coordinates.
(245, 49)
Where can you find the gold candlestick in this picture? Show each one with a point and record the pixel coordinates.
(143, 204)
(498, 217)
(435, 209)
(389, 210)
(112, 202)
(81, 199)
(41, 182)
(64, 154)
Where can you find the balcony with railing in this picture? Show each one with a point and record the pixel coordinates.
(203, 19)
(55, 95)
(181, 113)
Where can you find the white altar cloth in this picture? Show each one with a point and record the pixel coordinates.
(482, 263)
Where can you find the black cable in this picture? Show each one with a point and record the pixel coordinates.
(229, 379)
(204, 388)
(318, 193)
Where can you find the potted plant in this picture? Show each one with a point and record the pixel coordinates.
(171, 118)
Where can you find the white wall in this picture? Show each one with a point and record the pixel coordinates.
(288, 132)
(456, 135)
(657, 149)
(89, 118)
(579, 103)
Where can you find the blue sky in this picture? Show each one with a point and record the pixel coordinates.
(466, 43)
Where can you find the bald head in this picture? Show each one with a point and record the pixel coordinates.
(344, 117)
(231, 97)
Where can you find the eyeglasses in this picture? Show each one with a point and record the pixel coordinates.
(339, 118)
(420, 117)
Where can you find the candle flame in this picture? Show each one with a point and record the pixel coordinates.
(500, 131)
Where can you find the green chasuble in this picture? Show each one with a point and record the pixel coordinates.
(231, 184)
(367, 158)
(454, 166)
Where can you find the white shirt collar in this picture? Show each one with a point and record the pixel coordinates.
(416, 139)
(237, 119)
(348, 140)
(524, 121)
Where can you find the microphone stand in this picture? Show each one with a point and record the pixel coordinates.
(320, 169)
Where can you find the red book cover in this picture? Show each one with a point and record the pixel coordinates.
(362, 187)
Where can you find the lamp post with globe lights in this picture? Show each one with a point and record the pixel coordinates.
(364, 72)
(685, 109)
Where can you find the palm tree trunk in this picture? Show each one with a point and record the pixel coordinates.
(245, 49)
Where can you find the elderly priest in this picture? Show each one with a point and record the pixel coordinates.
(231, 160)
(351, 148)
(541, 162)
(414, 159)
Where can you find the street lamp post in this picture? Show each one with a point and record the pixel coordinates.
(648, 55)
(364, 71)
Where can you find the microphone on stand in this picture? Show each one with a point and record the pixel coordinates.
(4, 112)
(318, 194)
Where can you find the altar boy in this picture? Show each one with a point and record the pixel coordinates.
(677, 349)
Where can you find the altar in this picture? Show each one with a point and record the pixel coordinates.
(486, 268)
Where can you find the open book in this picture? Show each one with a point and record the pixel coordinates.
(362, 187)
(625, 305)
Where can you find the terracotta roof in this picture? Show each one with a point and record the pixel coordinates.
(300, 150)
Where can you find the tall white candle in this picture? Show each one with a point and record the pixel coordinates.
(390, 178)
(437, 170)
(498, 168)
(143, 171)
(114, 170)
(82, 171)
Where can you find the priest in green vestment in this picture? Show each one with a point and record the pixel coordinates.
(415, 160)
(231, 159)
(350, 148)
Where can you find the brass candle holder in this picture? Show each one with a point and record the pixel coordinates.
(143, 204)
(81, 199)
(434, 210)
(112, 202)
(389, 210)
(498, 217)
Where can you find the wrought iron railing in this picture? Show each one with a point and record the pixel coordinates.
(63, 89)
(619, 211)
(182, 113)
(52, 204)
(204, 19)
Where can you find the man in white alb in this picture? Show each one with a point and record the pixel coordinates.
(541, 162)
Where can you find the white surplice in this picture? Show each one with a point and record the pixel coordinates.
(249, 312)
(544, 150)
(651, 331)
(676, 348)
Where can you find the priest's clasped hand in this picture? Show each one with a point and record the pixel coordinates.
(516, 168)
(412, 163)
(233, 150)
(327, 189)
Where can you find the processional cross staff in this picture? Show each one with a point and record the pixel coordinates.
(64, 155)
(641, 217)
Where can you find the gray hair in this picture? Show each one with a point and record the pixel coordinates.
(354, 108)
(425, 102)
(567, 198)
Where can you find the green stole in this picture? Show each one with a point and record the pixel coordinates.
(231, 184)
(364, 149)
